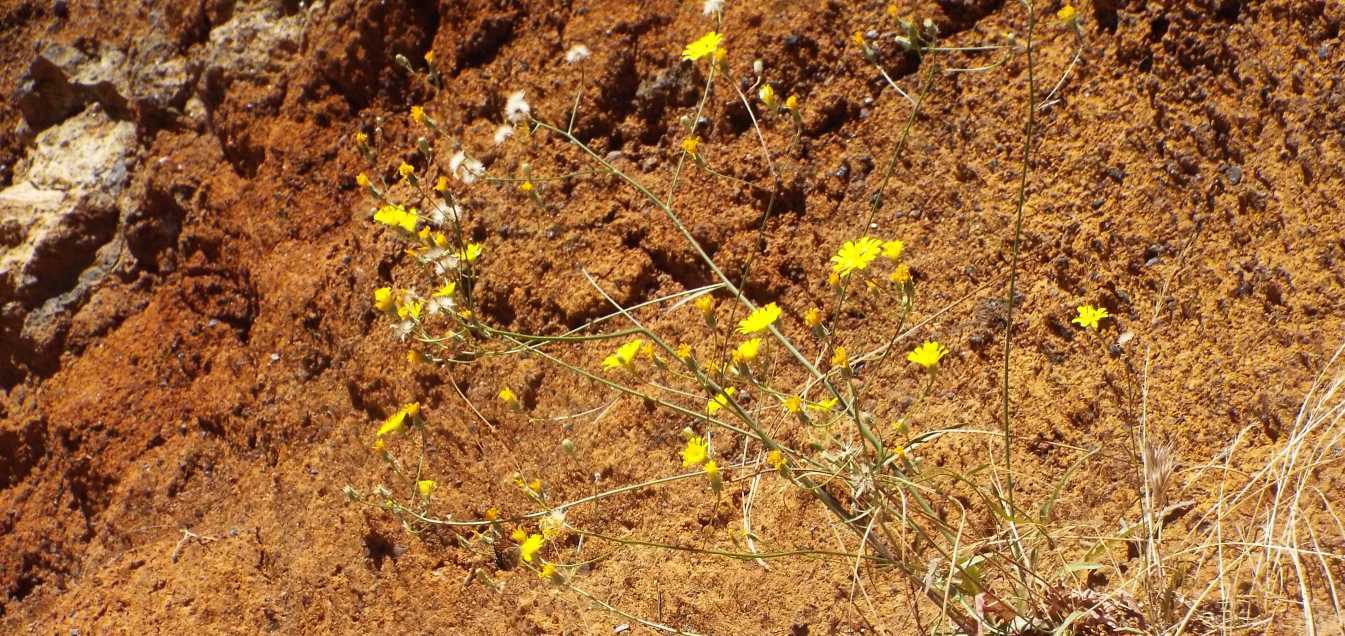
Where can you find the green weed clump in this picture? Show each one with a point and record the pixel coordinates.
(768, 392)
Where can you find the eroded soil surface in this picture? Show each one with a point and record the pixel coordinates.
(191, 369)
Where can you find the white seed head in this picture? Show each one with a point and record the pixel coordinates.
(577, 53)
(517, 108)
(502, 133)
(712, 7)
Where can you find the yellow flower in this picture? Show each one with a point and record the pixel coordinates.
(518, 535)
(767, 95)
(425, 486)
(759, 319)
(684, 351)
(793, 403)
(695, 452)
(418, 114)
(492, 513)
(855, 255)
(429, 57)
(405, 170)
(776, 459)
(362, 180)
(424, 235)
(548, 572)
(440, 240)
(410, 310)
(530, 546)
(624, 355)
(792, 102)
(901, 275)
(508, 396)
(928, 354)
(825, 405)
(812, 317)
(712, 471)
(553, 525)
(379, 445)
(397, 421)
(447, 289)
(892, 11)
(414, 357)
(471, 252)
(892, 249)
(839, 358)
(394, 215)
(361, 138)
(857, 38)
(833, 279)
(383, 300)
(1089, 316)
(1066, 13)
(706, 45)
(691, 145)
(526, 186)
(719, 401)
(706, 305)
(441, 184)
(747, 351)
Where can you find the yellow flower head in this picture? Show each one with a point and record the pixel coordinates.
(812, 317)
(553, 525)
(425, 486)
(508, 396)
(855, 255)
(1067, 13)
(362, 180)
(418, 114)
(405, 170)
(410, 310)
(747, 351)
(705, 304)
(361, 138)
(624, 355)
(441, 184)
(776, 459)
(548, 572)
(397, 421)
(892, 249)
(535, 486)
(526, 186)
(518, 535)
(1089, 316)
(706, 45)
(857, 38)
(695, 452)
(839, 358)
(792, 102)
(901, 275)
(684, 351)
(471, 252)
(379, 445)
(759, 319)
(383, 300)
(825, 405)
(833, 279)
(414, 357)
(691, 145)
(712, 471)
(530, 546)
(767, 95)
(928, 354)
(393, 215)
(719, 401)
(492, 513)
(793, 403)
(446, 290)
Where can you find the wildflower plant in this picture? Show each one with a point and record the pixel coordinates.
(790, 389)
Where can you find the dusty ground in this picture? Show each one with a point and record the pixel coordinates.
(223, 374)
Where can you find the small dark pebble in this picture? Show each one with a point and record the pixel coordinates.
(1234, 174)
